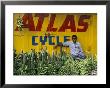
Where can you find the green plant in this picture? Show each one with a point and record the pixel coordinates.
(42, 63)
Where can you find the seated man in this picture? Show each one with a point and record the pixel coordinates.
(75, 48)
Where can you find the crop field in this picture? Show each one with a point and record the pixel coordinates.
(42, 63)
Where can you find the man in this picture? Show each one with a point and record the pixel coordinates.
(75, 48)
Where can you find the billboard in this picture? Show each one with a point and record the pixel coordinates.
(41, 30)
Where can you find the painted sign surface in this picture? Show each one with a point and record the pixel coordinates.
(43, 31)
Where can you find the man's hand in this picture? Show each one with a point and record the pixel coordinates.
(55, 47)
(60, 44)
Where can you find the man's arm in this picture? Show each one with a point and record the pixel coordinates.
(60, 44)
(65, 44)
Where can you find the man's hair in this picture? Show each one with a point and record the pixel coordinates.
(74, 36)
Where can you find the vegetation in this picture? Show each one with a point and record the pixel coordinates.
(42, 63)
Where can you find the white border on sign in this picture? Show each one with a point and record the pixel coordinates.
(101, 44)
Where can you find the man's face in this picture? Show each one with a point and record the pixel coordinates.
(74, 39)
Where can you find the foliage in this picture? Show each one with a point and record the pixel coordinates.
(41, 63)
